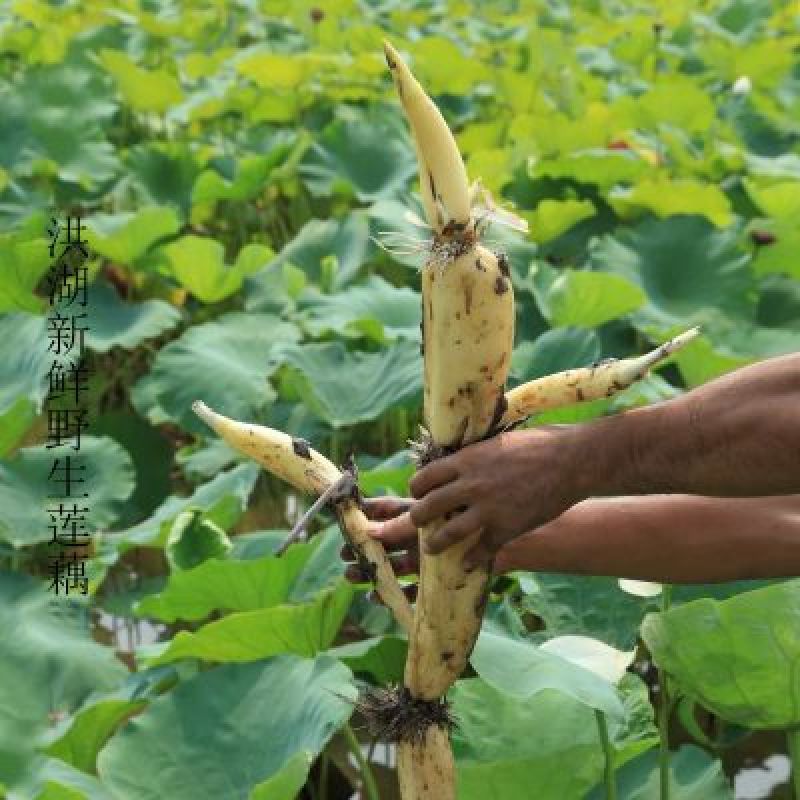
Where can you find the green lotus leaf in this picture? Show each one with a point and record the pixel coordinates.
(193, 539)
(91, 726)
(287, 708)
(224, 499)
(26, 362)
(585, 605)
(26, 494)
(583, 298)
(383, 658)
(375, 309)
(164, 174)
(780, 200)
(554, 351)
(223, 363)
(52, 779)
(677, 101)
(24, 260)
(246, 179)
(737, 656)
(14, 423)
(126, 236)
(603, 168)
(248, 585)
(317, 240)
(198, 264)
(38, 130)
(510, 747)
(522, 669)
(49, 664)
(783, 254)
(114, 323)
(325, 374)
(554, 217)
(305, 629)
(665, 198)
(287, 783)
(694, 775)
(689, 271)
(368, 156)
(142, 89)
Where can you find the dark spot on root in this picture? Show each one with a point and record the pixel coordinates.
(447, 655)
(391, 64)
(502, 265)
(500, 285)
(581, 396)
(500, 408)
(468, 299)
(301, 448)
(479, 265)
(431, 183)
(394, 715)
(369, 568)
(618, 386)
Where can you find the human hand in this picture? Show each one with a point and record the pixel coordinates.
(394, 529)
(501, 487)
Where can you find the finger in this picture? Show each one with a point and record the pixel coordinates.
(383, 508)
(449, 498)
(399, 532)
(480, 555)
(455, 530)
(437, 473)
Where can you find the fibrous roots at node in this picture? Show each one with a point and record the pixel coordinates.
(393, 715)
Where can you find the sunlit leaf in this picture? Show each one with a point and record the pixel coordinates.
(198, 264)
(554, 217)
(304, 629)
(665, 198)
(142, 89)
(583, 298)
(126, 236)
(735, 656)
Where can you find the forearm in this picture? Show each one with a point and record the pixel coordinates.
(666, 538)
(736, 436)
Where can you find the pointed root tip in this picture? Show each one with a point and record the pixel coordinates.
(392, 58)
(204, 412)
(682, 339)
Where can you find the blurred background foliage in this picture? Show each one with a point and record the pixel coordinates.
(236, 164)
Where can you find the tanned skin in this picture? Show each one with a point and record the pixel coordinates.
(701, 488)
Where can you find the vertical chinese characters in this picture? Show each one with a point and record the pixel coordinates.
(67, 287)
